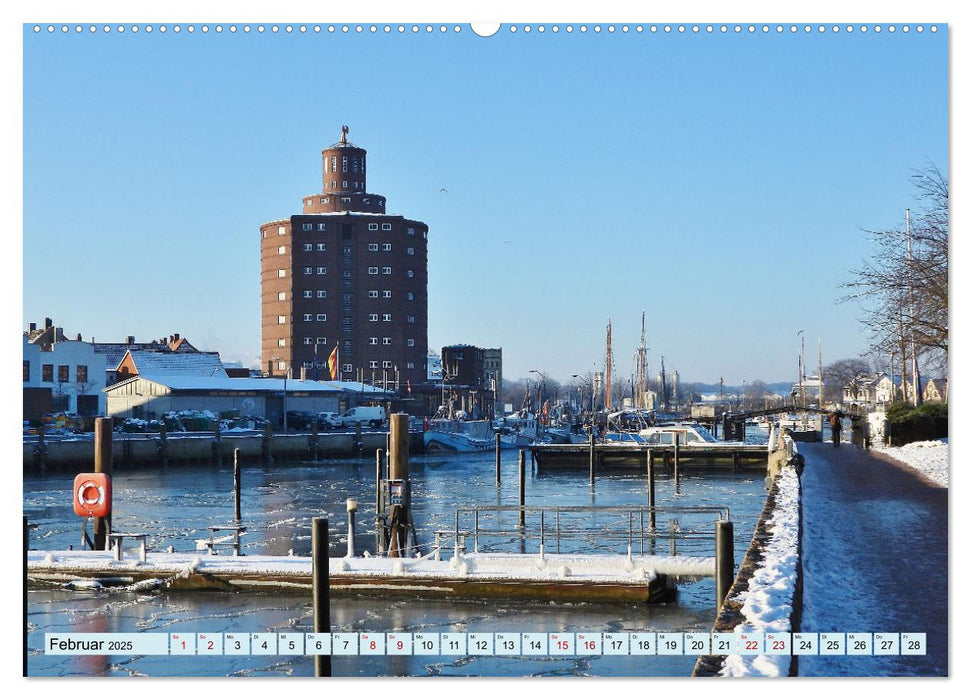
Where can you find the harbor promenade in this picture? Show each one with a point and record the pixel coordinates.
(875, 558)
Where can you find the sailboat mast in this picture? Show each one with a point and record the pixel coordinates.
(608, 362)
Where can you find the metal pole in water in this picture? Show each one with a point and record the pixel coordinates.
(398, 471)
(522, 488)
(237, 484)
(498, 470)
(102, 465)
(351, 510)
(724, 560)
(592, 450)
(677, 455)
(320, 544)
(379, 522)
(650, 490)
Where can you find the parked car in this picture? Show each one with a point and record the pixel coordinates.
(300, 420)
(328, 420)
(371, 416)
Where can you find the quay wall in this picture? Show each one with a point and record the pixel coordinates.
(139, 449)
(730, 615)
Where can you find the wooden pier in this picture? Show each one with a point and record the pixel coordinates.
(606, 457)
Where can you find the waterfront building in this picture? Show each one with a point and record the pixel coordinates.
(345, 275)
(62, 376)
(149, 396)
(135, 362)
(935, 391)
(466, 385)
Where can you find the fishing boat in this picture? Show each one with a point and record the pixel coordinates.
(451, 435)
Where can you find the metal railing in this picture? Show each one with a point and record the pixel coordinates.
(583, 529)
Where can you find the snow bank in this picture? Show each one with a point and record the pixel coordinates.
(929, 457)
(767, 603)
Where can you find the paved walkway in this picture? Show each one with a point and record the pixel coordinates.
(875, 539)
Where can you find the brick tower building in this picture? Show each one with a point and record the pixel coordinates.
(345, 274)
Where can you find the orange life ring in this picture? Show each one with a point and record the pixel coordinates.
(92, 495)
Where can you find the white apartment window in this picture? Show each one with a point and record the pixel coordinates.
(385, 227)
(263, 233)
(308, 270)
(372, 341)
(411, 319)
(308, 317)
(366, 200)
(308, 227)
(281, 365)
(281, 250)
(281, 273)
(308, 246)
(372, 317)
(411, 365)
(348, 368)
(386, 294)
(333, 184)
(308, 294)
(386, 341)
(333, 164)
(410, 251)
(386, 246)
(411, 273)
(424, 234)
(322, 247)
(372, 293)
(321, 293)
(322, 227)
(281, 230)
(372, 247)
(385, 270)
(411, 342)
(372, 270)
(345, 200)
(322, 341)
(281, 296)
(411, 296)
(387, 364)
(321, 270)
(411, 231)
(321, 317)
(308, 341)
(386, 317)
(281, 319)
(372, 227)
(281, 342)
(373, 364)
(345, 185)
(344, 165)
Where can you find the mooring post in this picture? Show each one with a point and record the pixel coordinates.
(724, 560)
(351, 511)
(319, 544)
(592, 452)
(236, 484)
(267, 446)
(398, 471)
(522, 488)
(217, 447)
(102, 465)
(677, 455)
(379, 521)
(498, 462)
(163, 444)
(650, 490)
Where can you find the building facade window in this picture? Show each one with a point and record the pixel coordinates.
(308, 246)
(47, 373)
(373, 247)
(386, 341)
(386, 247)
(411, 342)
(372, 270)
(321, 293)
(411, 319)
(385, 227)
(308, 317)
(308, 270)
(321, 270)
(321, 317)
(348, 368)
(387, 364)
(410, 251)
(321, 247)
(281, 250)
(372, 227)
(322, 340)
(411, 231)
(308, 294)
(372, 341)
(281, 230)
(411, 273)
(386, 317)
(411, 296)
(322, 227)
(281, 342)
(281, 296)
(386, 294)
(372, 317)
(26, 370)
(281, 273)
(372, 293)
(308, 227)
(281, 319)
(373, 364)
(308, 341)
(385, 270)
(411, 365)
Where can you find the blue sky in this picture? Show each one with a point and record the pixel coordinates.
(721, 182)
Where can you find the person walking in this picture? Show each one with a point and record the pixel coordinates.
(835, 426)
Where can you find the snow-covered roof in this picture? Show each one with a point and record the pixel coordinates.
(169, 363)
(187, 382)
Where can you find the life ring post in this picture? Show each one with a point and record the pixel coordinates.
(102, 465)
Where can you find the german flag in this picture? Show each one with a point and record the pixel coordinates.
(332, 363)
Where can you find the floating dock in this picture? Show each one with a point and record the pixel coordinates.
(534, 577)
(627, 456)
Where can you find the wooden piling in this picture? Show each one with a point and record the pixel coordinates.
(498, 462)
(522, 488)
(320, 544)
(102, 465)
(398, 470)
(677, 456)
(163, 444)
(379, 506)
(217, 447)
(266, 447)
(735, 461)
(724, 560)
(650, 489)
(236, 484)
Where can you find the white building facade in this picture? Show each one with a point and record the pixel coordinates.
(74, 373)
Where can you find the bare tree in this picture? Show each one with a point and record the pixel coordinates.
(843, 373)
(903, 288)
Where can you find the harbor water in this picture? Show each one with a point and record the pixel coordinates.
(176, 506)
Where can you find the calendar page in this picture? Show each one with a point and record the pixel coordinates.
(584, 342)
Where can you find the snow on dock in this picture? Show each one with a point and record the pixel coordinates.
(616, 578)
